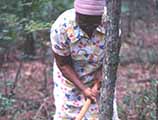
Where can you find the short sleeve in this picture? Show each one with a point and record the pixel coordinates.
(59, 39)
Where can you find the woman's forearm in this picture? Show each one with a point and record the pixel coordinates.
(69, 73)
(65, 65)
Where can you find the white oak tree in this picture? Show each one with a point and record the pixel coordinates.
(113, 44)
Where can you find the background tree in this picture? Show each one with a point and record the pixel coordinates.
(22, 20)
(111, 60)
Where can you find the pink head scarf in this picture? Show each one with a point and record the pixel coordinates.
(89, 7)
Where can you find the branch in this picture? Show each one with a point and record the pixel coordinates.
(16, 77)
(43, 105)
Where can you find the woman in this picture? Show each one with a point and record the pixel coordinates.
(78, 44)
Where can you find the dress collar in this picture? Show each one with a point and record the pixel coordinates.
(77, 33)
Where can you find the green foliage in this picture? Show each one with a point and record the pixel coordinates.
(9, 27)
(5, 104)
(35, 25)
(147, 100)
(143, 103)
(20, 16)
(62, 5)
(124, 7)
(126, 100)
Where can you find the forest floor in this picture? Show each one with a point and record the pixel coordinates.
(26, 87)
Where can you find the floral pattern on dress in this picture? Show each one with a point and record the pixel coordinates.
(87, 56)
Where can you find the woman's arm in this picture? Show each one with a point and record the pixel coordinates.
(65, 65)
(98, 76)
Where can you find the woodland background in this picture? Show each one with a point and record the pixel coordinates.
(26, 85)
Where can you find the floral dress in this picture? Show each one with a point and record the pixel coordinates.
(87, 56)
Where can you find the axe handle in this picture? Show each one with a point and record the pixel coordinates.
(84, 109)
(86, 105)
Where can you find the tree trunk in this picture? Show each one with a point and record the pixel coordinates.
(156, 4)
(29, 43)
(111, 60)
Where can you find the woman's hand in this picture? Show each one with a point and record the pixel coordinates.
(95, 89)
(90, 93)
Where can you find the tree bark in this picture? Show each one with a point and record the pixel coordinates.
(29, 43)
(111, 60)
(156, 2)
